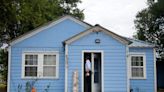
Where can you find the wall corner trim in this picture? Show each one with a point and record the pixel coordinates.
(155, 74)
(127, 63)
(66, 68)
(9, 62)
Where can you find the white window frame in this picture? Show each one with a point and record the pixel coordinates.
(40, 64)
(144, 65)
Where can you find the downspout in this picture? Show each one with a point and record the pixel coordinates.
(127, 63)
(66, 67)
(9, 63)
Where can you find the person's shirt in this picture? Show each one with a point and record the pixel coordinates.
(88, 65)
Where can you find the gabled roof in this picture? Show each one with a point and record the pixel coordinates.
(97, 28)
(90, 28)
(48, 25)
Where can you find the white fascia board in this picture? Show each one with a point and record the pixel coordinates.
(96, 29)
(78, 36)
(133, 46)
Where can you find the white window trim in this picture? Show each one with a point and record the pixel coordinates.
(40, 65)
(144, 65)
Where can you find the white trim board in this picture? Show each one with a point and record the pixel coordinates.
(155, 72)
(44, 27)
(102, 68)
(127, 63)
(9, 66)
(66, 69)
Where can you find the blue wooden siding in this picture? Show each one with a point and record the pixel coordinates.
(55, 84)
(53, 36)
(115, 75)
(49, 40)
(144, 85)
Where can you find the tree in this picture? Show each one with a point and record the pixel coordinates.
(20, 16)
(150, 24)
(3, 64)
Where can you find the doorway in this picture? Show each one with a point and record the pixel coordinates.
(96, 71)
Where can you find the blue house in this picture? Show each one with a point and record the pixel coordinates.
(53, 52)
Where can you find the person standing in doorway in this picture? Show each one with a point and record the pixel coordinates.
(88, 74)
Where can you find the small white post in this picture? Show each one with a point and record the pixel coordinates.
(75, 81)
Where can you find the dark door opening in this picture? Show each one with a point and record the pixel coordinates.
(95, 80)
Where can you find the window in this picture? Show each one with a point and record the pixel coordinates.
(49, 65)
(31, 63)
(137, 66)
(40, 65)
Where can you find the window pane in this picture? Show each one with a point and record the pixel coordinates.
(141, 72)
(134, 61)
(134, 72)
(31, 71)
(140, 58)
(49, 71)
(137, 72)
(137, 61)
(49, 59)
(141, 61)
(31, 59)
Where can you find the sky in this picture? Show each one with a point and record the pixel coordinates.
(116, 15)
